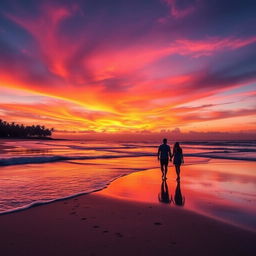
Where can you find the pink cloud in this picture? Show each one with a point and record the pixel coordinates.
(181, 12)
(61, 53)
(213, 115)
(45, 30)
(198, 48)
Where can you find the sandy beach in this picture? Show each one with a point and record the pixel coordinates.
(105, 223)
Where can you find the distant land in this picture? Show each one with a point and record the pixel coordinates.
(13, 130)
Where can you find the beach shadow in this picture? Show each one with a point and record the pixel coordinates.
(163, 196)
(178, 198)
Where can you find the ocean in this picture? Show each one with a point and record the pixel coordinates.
(34, 172)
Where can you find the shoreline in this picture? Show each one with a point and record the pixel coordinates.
(38, 203)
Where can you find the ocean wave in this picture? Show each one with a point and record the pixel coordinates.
(48, 159)
(251, 143)
(227, 157)
(31, 160)
(227, 148)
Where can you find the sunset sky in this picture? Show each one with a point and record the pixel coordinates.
(128, 66)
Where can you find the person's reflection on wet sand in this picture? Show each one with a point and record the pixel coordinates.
(178, 198)
(163, 196)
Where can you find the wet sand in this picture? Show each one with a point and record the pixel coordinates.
(220, 189)
(110, 223)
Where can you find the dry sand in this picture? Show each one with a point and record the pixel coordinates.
(96, 224)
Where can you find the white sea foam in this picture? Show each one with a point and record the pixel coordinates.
(47, 159)
(43, 202)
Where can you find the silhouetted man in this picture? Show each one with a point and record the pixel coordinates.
(163, 196)
(164, 154)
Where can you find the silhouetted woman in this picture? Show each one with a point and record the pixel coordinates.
(163, 196)
(178, 198)
(177, 158)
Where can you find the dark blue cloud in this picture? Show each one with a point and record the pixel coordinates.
(215, 18)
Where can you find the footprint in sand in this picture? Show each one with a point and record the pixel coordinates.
(118, 234)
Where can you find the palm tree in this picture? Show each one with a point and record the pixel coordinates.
(16, 130)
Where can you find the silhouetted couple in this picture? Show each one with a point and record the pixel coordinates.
(164, 155)
(164, 197)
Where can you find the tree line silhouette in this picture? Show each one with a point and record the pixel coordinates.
(20, 130)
